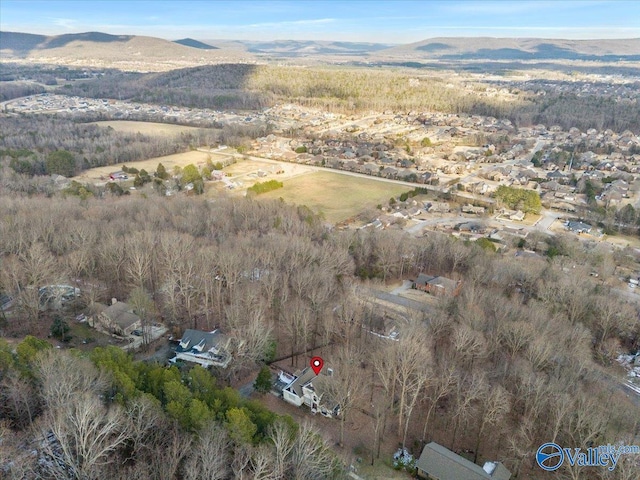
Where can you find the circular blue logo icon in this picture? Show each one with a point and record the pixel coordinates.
(550, 457)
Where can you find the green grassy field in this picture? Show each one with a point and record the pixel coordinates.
(337, 197)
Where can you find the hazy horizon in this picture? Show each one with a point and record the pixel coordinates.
(398, 22)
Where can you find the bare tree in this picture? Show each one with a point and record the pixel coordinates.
(64, 376)
(282, 438)
(522, 444)
(379, 412)
(438, 389)
(145, 418)
(168, 453)
(612, 315)
(563, 404)
(144, 307)
(241, 462)
(297, 323)
(139, 249)
(209, 457)
(262, 463)
(84, 436)
(19, 401)
(412, 363)
(494, 408)
(311, 456)
(468, 344)
(467, 392)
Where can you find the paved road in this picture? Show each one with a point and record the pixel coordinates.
(616, 383)
(545, 222)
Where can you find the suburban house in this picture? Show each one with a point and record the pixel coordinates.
(116, 319)
(437, 285)
(209, 349)
(578, 227)
(298, 390)
(439, 463)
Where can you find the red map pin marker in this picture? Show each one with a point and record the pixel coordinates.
(316, 364)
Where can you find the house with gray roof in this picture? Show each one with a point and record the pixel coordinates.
(116, 319)
(578, 227)
(209, 349)
(439, 463)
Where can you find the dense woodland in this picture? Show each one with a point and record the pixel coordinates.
(355, 89)
(526, 339)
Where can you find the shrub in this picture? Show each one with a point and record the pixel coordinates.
(264, 187)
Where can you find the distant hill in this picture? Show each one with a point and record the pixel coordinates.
(190, 42)
(126, 52)
(488, 48)
(296, 48)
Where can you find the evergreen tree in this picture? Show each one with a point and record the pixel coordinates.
(263, 380)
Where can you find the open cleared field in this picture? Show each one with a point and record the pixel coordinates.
(146, 128)
(336, 196)
(180, 159)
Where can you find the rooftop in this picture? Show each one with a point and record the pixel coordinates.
(442, 463)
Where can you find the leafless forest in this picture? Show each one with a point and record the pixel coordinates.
(513, 362)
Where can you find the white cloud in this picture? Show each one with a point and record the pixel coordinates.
(291, 23)
(65, 23)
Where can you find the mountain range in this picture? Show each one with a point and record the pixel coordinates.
(150, 53)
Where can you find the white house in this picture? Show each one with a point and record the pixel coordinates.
(299, 390)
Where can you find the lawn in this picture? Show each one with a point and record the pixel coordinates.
(337, 197)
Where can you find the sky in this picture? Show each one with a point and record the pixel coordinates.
(400, 21)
